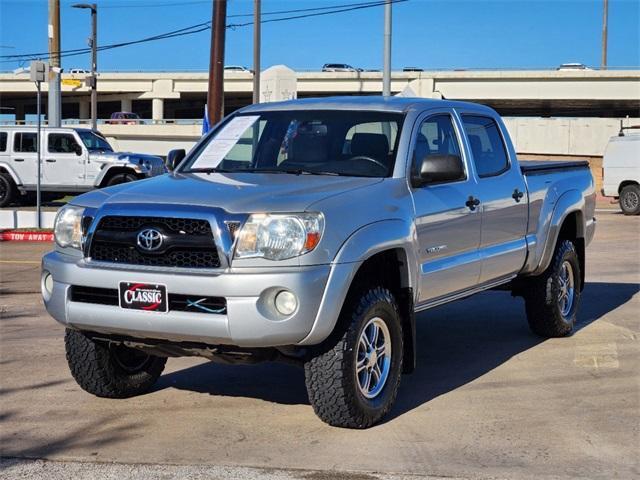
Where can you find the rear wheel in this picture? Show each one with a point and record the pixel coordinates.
(110, 370)
(119, 178)
(353, 381)
(630, 200)
(8, 190)
(552, 299)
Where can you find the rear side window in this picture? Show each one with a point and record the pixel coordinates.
(24, 142)
(3, 141)
(61, 143)
(487, 147)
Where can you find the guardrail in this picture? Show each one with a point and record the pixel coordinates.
(107, 121)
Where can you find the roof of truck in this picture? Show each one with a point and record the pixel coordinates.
(34, 127)
(387, 104)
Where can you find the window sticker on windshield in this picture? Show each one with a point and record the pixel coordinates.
(224, 141)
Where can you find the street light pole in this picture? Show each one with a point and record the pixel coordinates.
(256, 51)
(386, 70)
(93, 43)
(605, 15)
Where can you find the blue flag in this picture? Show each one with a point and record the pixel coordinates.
(205, 121)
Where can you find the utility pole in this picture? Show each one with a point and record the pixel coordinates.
(256, 51)
(54, 113)
(386, 71)
(38, 72)
(92, 80)
(605, 20)
(215, 96)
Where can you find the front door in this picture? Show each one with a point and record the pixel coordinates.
(448, 230)
(64, 160)
(24, 157)
(503, 197)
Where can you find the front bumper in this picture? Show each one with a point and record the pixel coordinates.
(248, 322)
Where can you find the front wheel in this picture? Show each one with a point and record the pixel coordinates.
(630, 200)
(110, 370)
(552, 299)
(353, 381)
(119, 178)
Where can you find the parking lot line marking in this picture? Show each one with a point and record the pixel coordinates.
(34, 262)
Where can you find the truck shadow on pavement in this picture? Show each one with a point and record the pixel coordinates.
(457, 343)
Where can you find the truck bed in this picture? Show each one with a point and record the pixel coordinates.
(535, 166)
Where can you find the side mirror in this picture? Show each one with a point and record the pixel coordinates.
(174, 158)
(78, 149)
(438, 168)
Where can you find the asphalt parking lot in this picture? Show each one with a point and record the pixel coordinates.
(488, 399)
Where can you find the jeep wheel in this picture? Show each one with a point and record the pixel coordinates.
(110, 370)
(353, 381)
(7, 190)
(119, 178)
(552, 299)
(630, 200)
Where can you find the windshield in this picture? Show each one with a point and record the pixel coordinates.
(349, 143)
(94, 142)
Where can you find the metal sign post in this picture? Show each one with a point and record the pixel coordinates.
(38, 72)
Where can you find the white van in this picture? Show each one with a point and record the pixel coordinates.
(621, 171)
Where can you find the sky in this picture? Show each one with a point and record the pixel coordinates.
(431, 34)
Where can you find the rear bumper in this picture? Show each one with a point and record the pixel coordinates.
(250, 320)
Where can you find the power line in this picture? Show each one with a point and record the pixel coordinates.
(200, 28)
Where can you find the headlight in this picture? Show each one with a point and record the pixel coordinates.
(279, 236)
(68, 226)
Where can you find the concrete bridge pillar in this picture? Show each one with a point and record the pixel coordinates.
(126, 105)
(84, 109)
(278, 83)
(157, 108)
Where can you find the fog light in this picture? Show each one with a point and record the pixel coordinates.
(47, 285)
(286, 302)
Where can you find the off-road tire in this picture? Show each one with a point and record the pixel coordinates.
(119, 178)
(330, 375)
(630, 200)
(541, 295)
(95, 368)
(8, 190)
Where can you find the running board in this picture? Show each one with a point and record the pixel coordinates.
(464, 294)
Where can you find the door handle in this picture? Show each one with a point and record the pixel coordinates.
(51, 160)
(18, 159)
(472, 203)
(517, 195)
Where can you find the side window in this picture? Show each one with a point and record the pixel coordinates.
(487, 147)
(437, 136)
(3, 141)
(61, 143)
(24, 142)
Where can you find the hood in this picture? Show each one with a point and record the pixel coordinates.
(235, 193)
(123, 157)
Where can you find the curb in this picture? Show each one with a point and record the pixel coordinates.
(25, 236)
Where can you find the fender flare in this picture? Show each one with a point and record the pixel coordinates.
(7, 168)
(360, 246)
(568, 203)
(104, 173)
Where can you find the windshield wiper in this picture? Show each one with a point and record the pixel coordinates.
(209, 170)
(290, 171)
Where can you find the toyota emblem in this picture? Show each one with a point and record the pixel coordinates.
(149, 239)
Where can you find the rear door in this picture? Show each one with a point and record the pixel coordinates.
(24, 156)
(502, 195)
(448, 231)
(62, 164)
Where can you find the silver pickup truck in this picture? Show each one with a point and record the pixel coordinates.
(313, 231)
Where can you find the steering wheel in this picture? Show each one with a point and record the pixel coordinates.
(370, 159)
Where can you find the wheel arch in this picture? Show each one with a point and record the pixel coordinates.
(7, 169)
(626, 183)
(109, 172)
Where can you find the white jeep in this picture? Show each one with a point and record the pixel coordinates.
(73, 160)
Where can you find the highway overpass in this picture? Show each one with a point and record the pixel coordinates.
(181, 95)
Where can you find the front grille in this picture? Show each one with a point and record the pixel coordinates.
(177, 302)
(187, 243)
